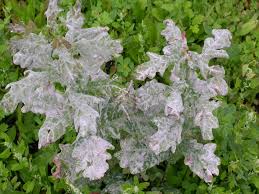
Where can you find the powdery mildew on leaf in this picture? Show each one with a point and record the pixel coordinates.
(202, 160)
(31, 52)
(75, 19)
(205, 119)
(91, 155)
(174, 105)
(52, 13)
(93, 44)
(86, 113)
(52, 129)
(167, 136)
(172, 53)
(137, 156)
(35, 92)
(151, 97)
(213, 48)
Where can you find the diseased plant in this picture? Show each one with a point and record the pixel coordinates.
(153, 123)
(178, 109)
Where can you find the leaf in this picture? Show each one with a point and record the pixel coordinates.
(211, 87)
(103, 48)
(167, 136)
(28, 186)
(52, 13)
(205, 119)
(52, 129)
(149, 69)
(91, 156)
(248, 27)
(188, 100)
(136, 156)
(2, 115)
(174, 105)
(35, 92)
(74, 18)
(31, 52)
(150, 98)
(5, 154)
(201, 159)
(172, 53)
(87, 156)
(255, 181)
(213, 48)
(85, 116)
(66, 70)
(95, 50)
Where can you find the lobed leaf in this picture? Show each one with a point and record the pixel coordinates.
(213, 48)
(137, 156)
(202, 160)
(90, 157)
(167, 136)
(31, 52)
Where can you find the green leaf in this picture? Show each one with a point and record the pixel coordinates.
(16, 166)
(2, 113)
(144, 185)
(4, 172)
(28, 186)
(255, 181)
(248, 27)
(3, 127)
(5, 154)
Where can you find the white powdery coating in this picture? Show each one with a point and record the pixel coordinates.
(80, 55)
(95, 52)
(52, 129)
(213, 48)
(149, 69)
(167, 136)
(218, 85)
(39, 96)
(205, 118)
(212, 87)
(137, 157)
(206, 121)
(150, 97)
(86, 113)
(176, 40)
(85, 121)
(75, 19)
(35, 92)
(202, 160)
(172, 53)
(174, 105)
(90, 155)
(67, 70)
(31, 52)
(52, 12)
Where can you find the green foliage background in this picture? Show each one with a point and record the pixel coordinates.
(138, 23)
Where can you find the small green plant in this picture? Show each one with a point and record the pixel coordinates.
(135, 187)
